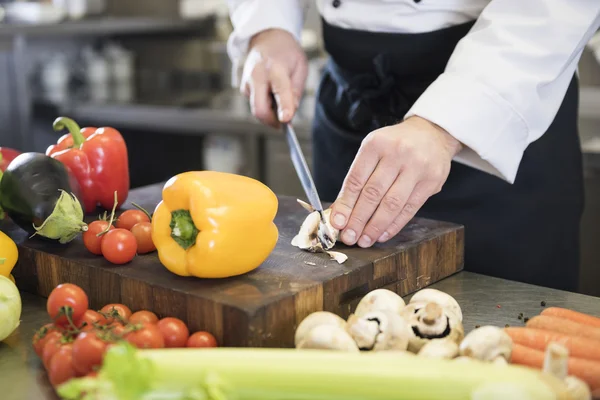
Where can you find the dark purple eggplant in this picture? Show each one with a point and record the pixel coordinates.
(39, 195)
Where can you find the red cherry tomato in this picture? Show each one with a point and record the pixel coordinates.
(91, 240)
(116, 312)
(131, 217)
(139, 317)
(119, 246)
(91, 319)
(61, 368)
(146, 336)
(41, 337)
(64, 299)
(116, 329)
(52, 346)
(88, 352)
(202, 339)
(143, 236)
(174, 331)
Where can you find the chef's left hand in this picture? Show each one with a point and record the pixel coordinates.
(395, 171)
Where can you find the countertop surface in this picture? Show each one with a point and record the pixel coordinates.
(484, 300)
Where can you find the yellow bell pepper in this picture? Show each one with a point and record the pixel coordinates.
(9, 254)
(214, 225)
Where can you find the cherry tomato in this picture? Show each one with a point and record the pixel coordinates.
(131, 217)
(90, 239)
(147, 336)
(116, 312)
(119, 246)
(61, 368)
(201, 339)
(91, 319)
(92, 374)
(143, 316)
(53, 344)
(174, 331)
(88, 352)
(41, 337)
(64, 299)
(143, 236)
(116, 329)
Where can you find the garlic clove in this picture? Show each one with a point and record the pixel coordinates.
(380, 300)
(328, 337)
(318, 318)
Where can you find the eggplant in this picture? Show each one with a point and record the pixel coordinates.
(39, 195)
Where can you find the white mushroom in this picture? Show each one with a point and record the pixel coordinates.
(328, 337)
(317, 235)
(318, 318)
(429, 295)
(379, 330)
(431, 322)
(487, 343)
(380, 300)
(439, 348)
(556, 363)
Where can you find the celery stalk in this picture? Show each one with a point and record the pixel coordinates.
(288, 374)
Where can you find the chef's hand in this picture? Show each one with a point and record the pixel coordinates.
(275, 64)
(395, 171)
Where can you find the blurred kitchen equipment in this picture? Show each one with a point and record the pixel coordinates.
(121, 63)
(54, 77)
(79, 9)
(223, 153)
(33, 13)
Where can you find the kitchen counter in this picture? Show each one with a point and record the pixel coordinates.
(484, 300)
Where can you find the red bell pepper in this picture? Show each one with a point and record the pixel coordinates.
(97, 158)
(6, 156)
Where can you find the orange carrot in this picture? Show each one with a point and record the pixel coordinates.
(575, 316)
(596, 394)
(563, 325)
(539, 339)
(586, 370)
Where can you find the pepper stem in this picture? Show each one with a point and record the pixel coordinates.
(61, 123)
(142, 210)
(183, 230)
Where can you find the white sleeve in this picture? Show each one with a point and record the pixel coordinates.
(507, 78)
(250, 17)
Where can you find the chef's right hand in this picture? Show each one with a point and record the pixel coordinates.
(276, 65)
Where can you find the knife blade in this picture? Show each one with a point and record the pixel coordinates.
(302, 169)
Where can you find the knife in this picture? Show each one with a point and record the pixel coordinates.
(308, 184)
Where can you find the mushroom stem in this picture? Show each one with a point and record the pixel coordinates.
(556, 360)
(433, 312)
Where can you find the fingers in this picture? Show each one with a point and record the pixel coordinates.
(373, 192)
(299, 81)
(281, 87)
(260, 96)
(392, 205)
(413, 204)
(360, 171)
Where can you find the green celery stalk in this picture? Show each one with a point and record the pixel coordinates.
(289, 374)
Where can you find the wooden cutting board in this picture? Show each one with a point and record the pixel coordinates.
(263, 307)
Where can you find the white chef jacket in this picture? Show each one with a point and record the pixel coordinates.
(505, 81)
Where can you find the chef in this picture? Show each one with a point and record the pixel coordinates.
(456, 110)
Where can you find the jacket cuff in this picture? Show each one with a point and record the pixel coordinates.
(493, 133)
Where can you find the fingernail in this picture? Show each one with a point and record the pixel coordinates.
(384, 237)
(364, 241)
(283, 114)
(349, 236)
(339, 220)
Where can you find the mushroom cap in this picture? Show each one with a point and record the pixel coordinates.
(439, 348)
(431, 322)
(577, 389)
(380, 300)
(430, 295)
(317, 318)
(379, 331)
(328, 337)
(487, 343)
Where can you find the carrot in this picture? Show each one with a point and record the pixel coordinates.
(562, 325)
(586, 370)
(574, 316)
(539, 339)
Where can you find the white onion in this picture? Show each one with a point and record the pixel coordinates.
(10, 307)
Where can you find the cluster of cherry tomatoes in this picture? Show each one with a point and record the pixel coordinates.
(75, 343)
(119, 243)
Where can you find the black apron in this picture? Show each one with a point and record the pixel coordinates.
(528, 231)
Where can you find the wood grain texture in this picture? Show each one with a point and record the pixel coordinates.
(261, 308)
